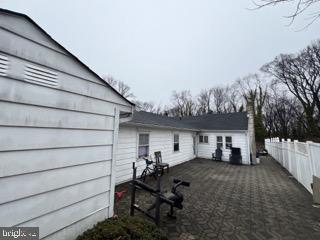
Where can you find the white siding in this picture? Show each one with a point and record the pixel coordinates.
(239, 140)
(56, 143)
(160, 140)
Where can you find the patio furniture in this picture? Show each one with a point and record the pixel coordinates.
(174, 198)
(235, 156)
(159, 164)
(149, 170)
(217, 155)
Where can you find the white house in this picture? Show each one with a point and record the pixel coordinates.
(180, 139)
(58, 132)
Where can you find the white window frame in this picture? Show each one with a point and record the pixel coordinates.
(145, 145)
(203, 139)
(220, 142)
(176, 142)
(225, 140)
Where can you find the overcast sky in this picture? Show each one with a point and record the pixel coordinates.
(160, 46)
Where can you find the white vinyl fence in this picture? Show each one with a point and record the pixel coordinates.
(301, 159)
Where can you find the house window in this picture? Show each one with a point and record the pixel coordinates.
(219, 142)
(203, 139)
(228, 142)
(143, 147)
(176, 142)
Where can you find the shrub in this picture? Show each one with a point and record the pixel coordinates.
(130, 228)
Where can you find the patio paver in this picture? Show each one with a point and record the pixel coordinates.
(236, 202)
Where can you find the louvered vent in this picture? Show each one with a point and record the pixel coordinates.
(4, 65)
(41, 76)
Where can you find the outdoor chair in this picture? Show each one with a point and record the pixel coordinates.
(217, 155)
(159, 164)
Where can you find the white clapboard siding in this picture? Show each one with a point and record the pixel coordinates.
(57, 220)
(159, 140)
(75, 229)
(14, 115)
(239, 140)
(22, 27)
(41, 204)
(39, 182)
(14, 138)
(33, 161)
(32, 94)
(21, 47)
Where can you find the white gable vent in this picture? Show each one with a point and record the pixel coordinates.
(4, 65)
(41, 76)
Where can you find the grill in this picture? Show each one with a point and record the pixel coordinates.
(235, 156)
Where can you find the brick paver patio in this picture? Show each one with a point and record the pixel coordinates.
(236, 202)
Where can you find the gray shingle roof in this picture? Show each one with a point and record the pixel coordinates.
(226, 121)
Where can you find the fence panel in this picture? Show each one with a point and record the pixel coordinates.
(304, 166)
(315, 155)
(285, 151)
(302, 160)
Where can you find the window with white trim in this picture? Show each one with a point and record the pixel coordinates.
(203, 139)
(219, 142)
(228, 142)
(143, 146)
(176, 142)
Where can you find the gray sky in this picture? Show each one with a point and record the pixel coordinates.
(157, 46)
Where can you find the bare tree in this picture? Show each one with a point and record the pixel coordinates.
(182, 104)
(125, 90)
(300, 73)
(234, 99)
(148, 107)
(219, 99)
(119, 86)
(110, 80)
(283, 114)
(252, 89)
(204, 101)
(300, 7)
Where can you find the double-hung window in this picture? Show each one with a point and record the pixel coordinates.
(228, 142)
(203, 139)
(219, 142)
(143, 146)
(176, 142)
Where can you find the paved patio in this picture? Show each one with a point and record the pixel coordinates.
(236, 202)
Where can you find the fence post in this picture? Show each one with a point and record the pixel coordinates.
(289, 157)
(297, 160)
(310, 159)
(283, 159)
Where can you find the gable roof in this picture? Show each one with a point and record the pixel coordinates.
(73, 56)
(225, 121)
